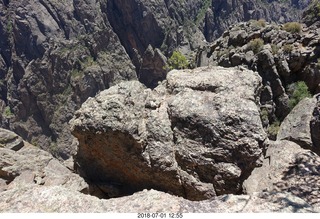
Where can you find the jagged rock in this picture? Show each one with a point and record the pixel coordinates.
(145, 25)
(10, 140)
(301, 125)
(222, 13)
(280, 57)
(287, 168)
(311, 15)
(36, 199)
(197, 135)
(31, 165)
(153, 67)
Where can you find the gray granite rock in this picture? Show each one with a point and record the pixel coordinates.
(287, 168)
(197, 135)
(31, 165)
(302, 125)
(56, 199)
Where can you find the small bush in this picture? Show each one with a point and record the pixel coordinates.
(274, 49)
(9, 27)
(318, 63)
(177, 61)
(273, 130)
(287, 48)
(299, 91)
(256, 45)
(292, 27)
(259, 23)
(7, 112)
(264, 114)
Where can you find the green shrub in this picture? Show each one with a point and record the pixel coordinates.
(299, 91)
(259, 23)
(274, 49)
(273, 130)
(318, 63)
(292, 27)
(287, 48)
(177, 61)
(256, 45)
(7, 112)
(9, 27)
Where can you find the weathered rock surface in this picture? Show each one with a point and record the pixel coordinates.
(30, 165)
(302, 125)
(56, 199)
(152, 69)
(281, 56)
(311, 16)
(197, 135)
(10, 140)
(223, 13)
(288, 168)
(31, 180)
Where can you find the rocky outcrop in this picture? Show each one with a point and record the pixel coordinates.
(224, 13)
(281, 55)
(302, 125)
(29, 165)
(287, 168)
(152, 69)
(197, 135)
(31, 180)
(35, 199)
(311, 16)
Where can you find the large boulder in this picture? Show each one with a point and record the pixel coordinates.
(288, 168)
(197, 135)
(302, 125)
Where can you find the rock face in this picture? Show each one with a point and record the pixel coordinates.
(311, 16)
(56, 199)
(54, 55)
(281, 56)
(197, 135)
(31, 180)
(29, 165)
(302, 125)
(223, 13)
(288, 168)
